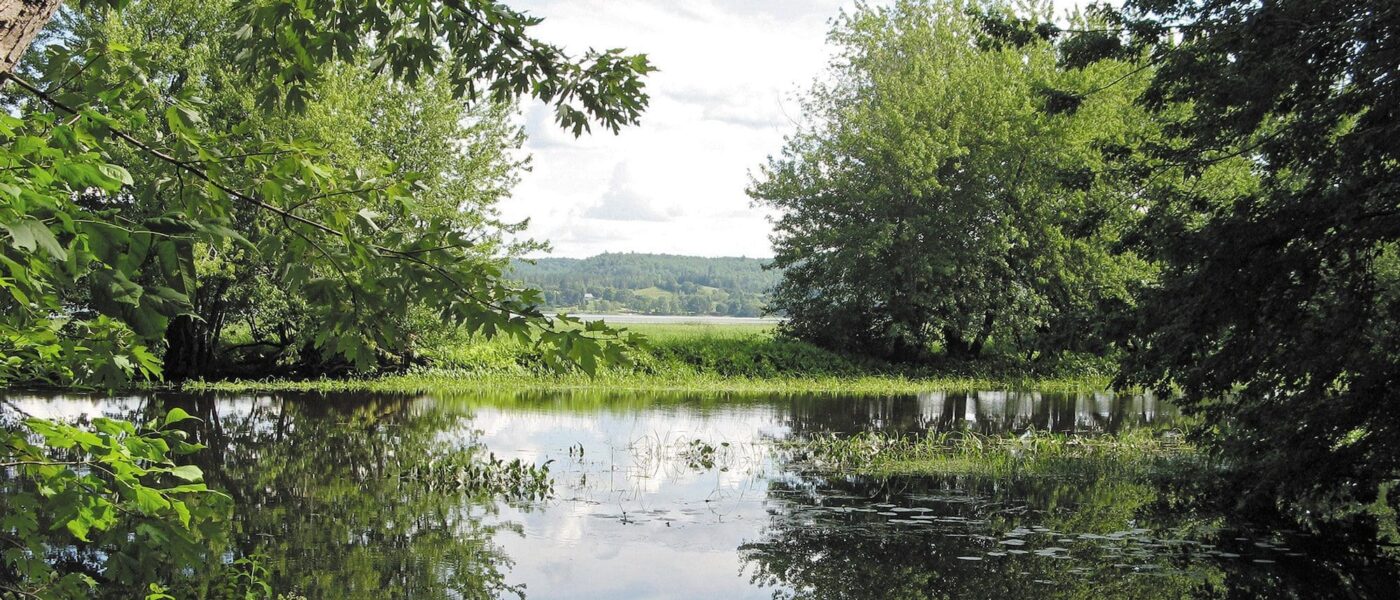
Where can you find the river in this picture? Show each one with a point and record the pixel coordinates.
(694, 496)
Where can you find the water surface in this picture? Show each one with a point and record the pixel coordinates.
(688, 496)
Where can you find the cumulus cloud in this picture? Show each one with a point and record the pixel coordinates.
(622, 202)
(720, 106)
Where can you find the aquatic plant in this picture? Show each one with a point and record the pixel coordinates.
(965, 452)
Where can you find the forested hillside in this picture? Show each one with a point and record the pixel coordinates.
(658, 284)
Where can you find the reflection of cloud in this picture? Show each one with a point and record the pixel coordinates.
(622, 202)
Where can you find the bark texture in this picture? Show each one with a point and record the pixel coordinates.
(20, 23)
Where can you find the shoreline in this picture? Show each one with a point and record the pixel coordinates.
(448, 380)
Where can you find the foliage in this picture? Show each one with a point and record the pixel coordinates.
(114, 173)
(109, 507)
(654, 284)
(719, 350)
(461, 155)
(751, 351)
(940, 194)
(157, 158)
(1277, 314)
(476, 43)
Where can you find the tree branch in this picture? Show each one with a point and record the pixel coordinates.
(286, 215)
(179, 164)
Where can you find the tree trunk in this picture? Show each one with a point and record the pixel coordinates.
(982, 334)
(954, 345)
(192, 342)
(189, 348)
(20, 22)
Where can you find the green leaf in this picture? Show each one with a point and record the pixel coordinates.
(368, 217)
(124, 290)
(117, 173)
(79, 528)
(188, 473)
(29, 234)
(176, 415)
(149, 500)
(183, 512)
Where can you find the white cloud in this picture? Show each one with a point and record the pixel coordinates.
(622, 202)
(721, 103)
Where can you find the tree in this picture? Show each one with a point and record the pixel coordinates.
(636, 281)
(942, 194)
(1278, 312)
(464, 151)
(91, 286)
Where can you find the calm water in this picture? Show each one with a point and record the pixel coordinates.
(659, 496)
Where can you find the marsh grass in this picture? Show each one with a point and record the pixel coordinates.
(1010, 456)
(728, 358)
(455, 380)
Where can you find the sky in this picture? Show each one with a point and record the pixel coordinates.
(731, 73)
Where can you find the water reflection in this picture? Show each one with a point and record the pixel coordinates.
(965, 537)
(982, 411)
(327, 491)
(684, 495)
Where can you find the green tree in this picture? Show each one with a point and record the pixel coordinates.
(463, 152)
(91, 286)
(120, 185)
(941, 193)
(639, 282)
(1278, 312)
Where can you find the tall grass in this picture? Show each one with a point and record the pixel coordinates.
(696, 357)
(1008, 456)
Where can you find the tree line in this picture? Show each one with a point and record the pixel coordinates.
(654, 284)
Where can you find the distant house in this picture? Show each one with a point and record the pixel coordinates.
(587, 296)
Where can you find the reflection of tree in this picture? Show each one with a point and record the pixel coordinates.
(982, 411)
(985, 412)
(330, 492)
(820, 552)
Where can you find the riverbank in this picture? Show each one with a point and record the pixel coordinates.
(433, 379)
(728, 358)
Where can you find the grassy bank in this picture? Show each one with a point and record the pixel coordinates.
(701, 357)
(1033, 454)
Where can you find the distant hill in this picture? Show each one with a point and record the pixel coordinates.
(655, 284)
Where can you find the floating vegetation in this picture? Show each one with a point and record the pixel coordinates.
(965, 452)
(700, 455)
(467, 472)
